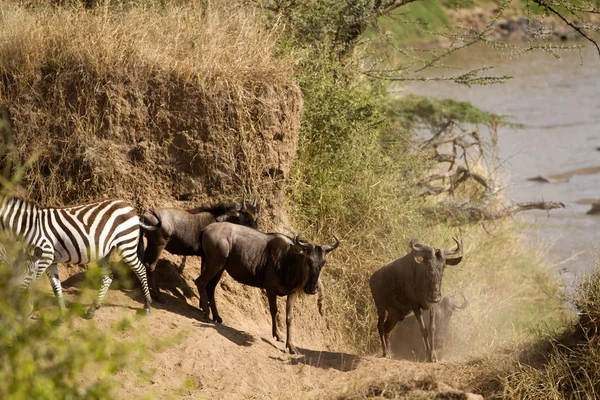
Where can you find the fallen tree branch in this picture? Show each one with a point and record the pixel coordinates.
(485, 214)
(458, 176)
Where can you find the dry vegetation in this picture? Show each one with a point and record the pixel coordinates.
(152, 105)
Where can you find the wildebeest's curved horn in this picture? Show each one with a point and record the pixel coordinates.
(243, 202)
(298, 243)
(329, 247)
(455, 251)
(254, 203)
(417, 246)
(463, 305)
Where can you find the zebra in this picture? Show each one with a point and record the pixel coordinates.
(22, 263)
(79, 234)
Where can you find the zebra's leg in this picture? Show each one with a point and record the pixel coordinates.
(105, 281)
(52, 272)
(129, 255)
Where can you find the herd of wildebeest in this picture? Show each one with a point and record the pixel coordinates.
(226, 237)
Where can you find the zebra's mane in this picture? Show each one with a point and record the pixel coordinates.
(22, 199)
(34, 203)
(214, 209)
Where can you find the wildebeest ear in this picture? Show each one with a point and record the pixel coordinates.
(419, 259)
(453, 261)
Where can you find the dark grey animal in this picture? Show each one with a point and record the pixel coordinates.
(179, 231)
(411, 283)
(270, 261)
(406, 341)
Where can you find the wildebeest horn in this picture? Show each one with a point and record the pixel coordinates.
(416, 246)
(455, 251)
(254, 203)
(463, 305)
(244, 202)
(298, 243)
(328, 247)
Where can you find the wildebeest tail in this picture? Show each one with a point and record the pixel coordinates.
(140, 247)
(147, 227)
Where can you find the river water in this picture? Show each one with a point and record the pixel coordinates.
(559, 102)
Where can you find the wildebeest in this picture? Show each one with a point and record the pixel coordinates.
(179, 231)
(406, 341)
(411, 283)
(271, 261)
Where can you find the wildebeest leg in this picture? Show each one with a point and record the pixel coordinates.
(424, 332)
(391, 321)
(156, 245)
(182, 265)
(272, 296)
(432, 327)
(380, 324)
(289, 314)
(210, 291)
(202, 282)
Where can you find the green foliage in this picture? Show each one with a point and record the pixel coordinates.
(327, 23)
(40, 359)
(342, 177)
(413, 111)
(415, 20)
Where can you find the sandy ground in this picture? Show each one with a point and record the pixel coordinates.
(190, 358)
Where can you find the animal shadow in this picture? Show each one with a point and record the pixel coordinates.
(322, 359)
(326, 359)
(169, 279)
(238, 337)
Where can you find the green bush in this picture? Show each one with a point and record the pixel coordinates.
(40, 359)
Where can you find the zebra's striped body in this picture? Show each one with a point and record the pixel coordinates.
(77, 235)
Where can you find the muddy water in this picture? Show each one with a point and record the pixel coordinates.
(559, 102)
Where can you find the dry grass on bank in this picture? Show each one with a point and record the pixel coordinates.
(155, 105)
(220, 42)
(564, 364)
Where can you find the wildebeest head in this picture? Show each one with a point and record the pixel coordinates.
(432, 263)
(243, 214)
(315, 260)
(248, 213)
(443, 314)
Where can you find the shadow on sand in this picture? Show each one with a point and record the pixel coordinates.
(320, 358)
(124, 280)
(240, 338)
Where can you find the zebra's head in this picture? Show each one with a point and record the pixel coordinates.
(23, 261)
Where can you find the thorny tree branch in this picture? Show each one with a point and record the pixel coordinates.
(456, 177)
(579, 30)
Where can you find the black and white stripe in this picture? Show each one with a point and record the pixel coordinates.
(77, 235)
(22, 264)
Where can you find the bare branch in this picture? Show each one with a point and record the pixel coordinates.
(392, 5)
(579, 30)
(482, 212)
